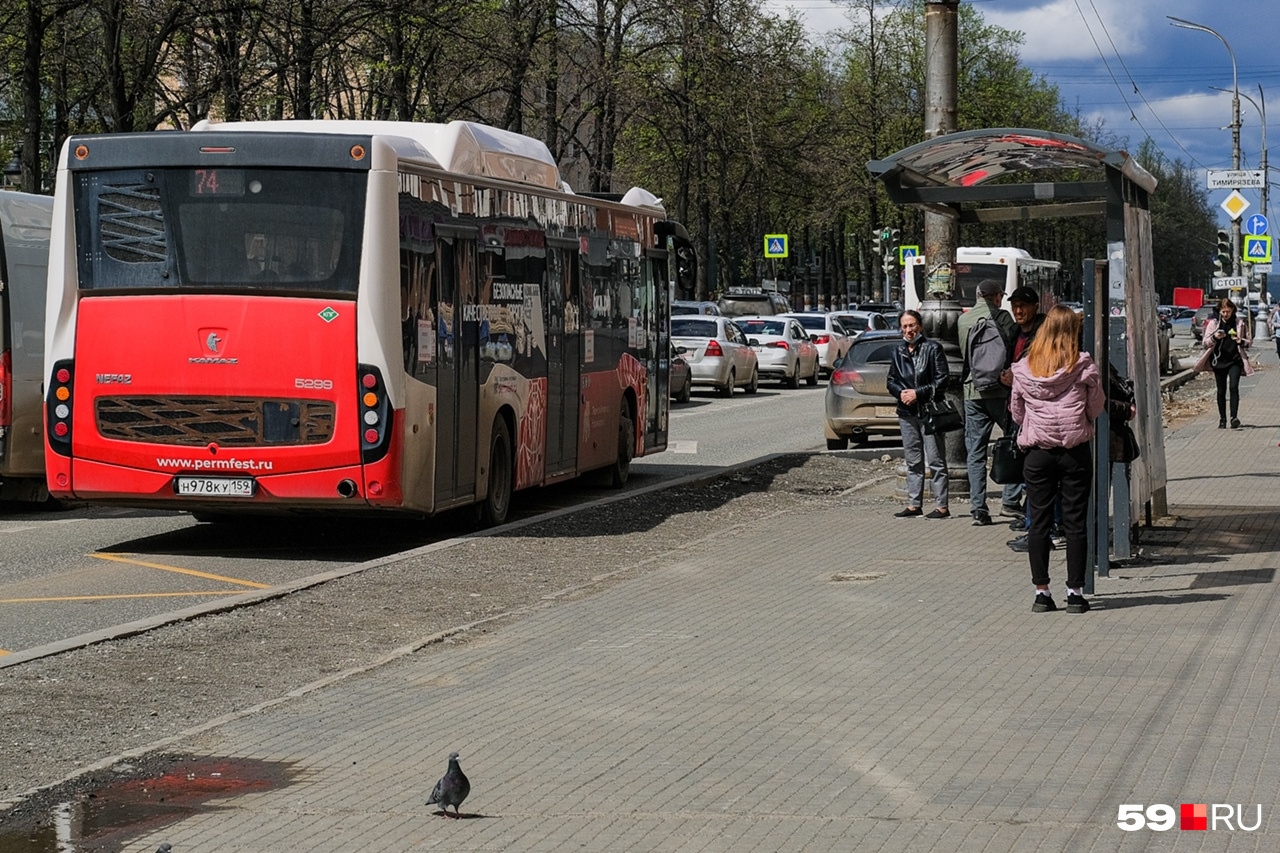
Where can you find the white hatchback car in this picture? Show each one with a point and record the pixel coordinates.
(830, 336)
(717, 352)
(783, 349)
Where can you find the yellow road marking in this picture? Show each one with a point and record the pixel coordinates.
(192, 572)
(122, 595)
(4, 652)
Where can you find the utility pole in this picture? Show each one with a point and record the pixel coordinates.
(939, 308)
(941, 233)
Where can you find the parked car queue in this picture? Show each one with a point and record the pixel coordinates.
(732, 353)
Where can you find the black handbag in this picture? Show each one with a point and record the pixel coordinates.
(1123, 444)
(1007, 459)
(940, 416)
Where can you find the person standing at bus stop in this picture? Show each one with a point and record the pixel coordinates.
(985, 331)
(918, 373)
(1057, 395)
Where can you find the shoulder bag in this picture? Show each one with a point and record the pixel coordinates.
(1123, 444)
(940, 416)
(1007, 459)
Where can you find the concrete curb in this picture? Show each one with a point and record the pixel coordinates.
(248, 599)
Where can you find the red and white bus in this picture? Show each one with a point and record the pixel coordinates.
(316, 316)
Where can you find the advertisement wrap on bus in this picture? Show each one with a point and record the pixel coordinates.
(300, 317)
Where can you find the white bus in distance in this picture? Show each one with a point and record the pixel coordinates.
(1015, 267)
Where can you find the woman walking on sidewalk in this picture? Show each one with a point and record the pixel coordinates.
(918, 373)
(1226, 344)
(1057, 394)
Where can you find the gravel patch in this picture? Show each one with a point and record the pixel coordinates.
(62, 715)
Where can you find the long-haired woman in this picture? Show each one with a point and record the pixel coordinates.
(1226, 352)
(1057, 394)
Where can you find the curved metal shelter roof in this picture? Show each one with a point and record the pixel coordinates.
(972, 157)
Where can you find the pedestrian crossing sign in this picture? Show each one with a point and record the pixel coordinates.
(775, 245)
(1257, 248)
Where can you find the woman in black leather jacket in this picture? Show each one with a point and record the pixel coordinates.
(918, 373)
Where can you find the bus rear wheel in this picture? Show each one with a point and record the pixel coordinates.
(497, 503)
(616, 475)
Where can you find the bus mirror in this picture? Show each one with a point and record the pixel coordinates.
(686, 269)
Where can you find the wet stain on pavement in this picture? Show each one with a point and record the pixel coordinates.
(102, 812)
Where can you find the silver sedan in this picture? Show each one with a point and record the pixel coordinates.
(825, 331)
(783, 349)
(717, 352)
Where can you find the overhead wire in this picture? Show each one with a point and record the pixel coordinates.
(1137, 91)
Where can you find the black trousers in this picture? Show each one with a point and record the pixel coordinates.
(1065, 472)
(1228, 378)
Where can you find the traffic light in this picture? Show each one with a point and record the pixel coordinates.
(877, 244)
(1222, 260)
(890, 238)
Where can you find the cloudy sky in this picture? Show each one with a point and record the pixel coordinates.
(1124, 61)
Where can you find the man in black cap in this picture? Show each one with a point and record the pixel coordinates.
(1024, 303)
(985, 332)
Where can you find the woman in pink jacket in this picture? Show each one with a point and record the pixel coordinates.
(1226, 352)
(1057, 394)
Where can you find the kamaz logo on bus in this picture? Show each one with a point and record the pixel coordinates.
(212, 340)
(114, 378)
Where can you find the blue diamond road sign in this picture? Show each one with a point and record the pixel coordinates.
(775, 245)
(1257, 249)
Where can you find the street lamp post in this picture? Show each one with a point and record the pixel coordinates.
(1261, 106)
(1235, 126)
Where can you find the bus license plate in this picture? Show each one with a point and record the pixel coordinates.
(215, 487)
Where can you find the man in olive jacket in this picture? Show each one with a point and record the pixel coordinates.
(986, 403)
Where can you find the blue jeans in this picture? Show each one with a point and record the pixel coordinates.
(979, 417)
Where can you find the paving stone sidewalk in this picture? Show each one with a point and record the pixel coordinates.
(827, 681)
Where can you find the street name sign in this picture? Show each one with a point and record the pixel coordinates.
(1228, 179)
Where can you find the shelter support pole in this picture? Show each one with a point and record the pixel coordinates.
(940, 311)
(1096, 339)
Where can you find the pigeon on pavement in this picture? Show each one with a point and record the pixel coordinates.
(452, 788)
(164, 848)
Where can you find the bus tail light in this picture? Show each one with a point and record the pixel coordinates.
(6, 389)
(58, 407)
(375, 414)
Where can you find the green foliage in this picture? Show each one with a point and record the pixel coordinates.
(741, 120)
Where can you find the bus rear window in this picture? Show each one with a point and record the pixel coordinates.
(220, 229)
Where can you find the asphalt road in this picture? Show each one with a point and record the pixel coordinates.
(64, 573)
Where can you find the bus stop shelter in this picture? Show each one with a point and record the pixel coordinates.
(979, 176)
